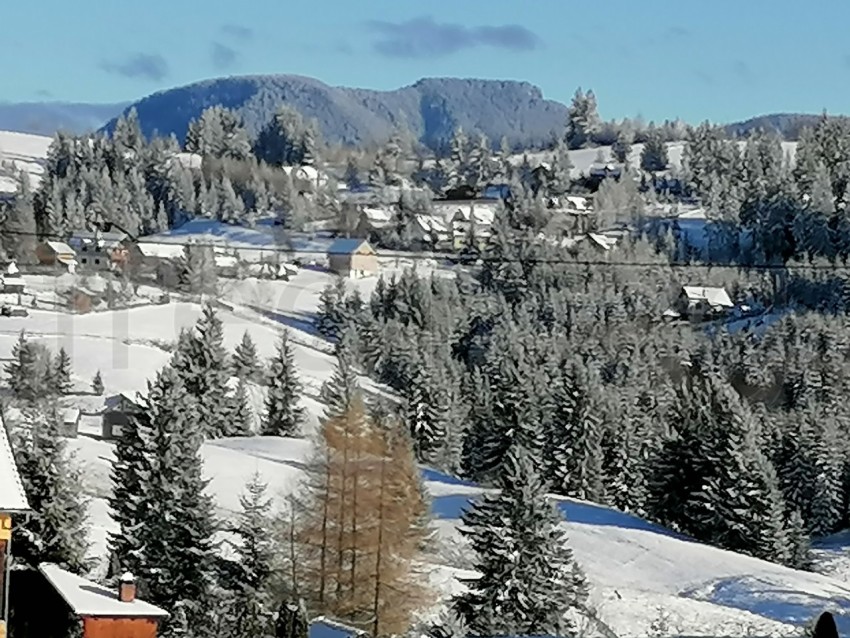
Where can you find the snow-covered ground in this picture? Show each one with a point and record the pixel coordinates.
(21, 152)
(636, 569)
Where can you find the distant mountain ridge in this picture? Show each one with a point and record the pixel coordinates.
(45, 118)
(431, 108)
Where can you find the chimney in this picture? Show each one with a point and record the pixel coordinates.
(127, 588)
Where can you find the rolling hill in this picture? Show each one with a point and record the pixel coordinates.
(45, 118)
(431, 108)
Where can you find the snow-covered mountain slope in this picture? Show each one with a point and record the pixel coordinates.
(640, 573)
(637, 569)
(21, 152)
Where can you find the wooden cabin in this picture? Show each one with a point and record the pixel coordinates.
(352, 258)
(119, 409)
(103, 612)
(13, 503)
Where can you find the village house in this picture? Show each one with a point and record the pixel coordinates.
(352, 258)
(13, 503)
(82, 300)
(700, 303)
(373, 221)
(70, 422)
(100, 250)
(322, 627)
(56, 253)
(11, 281)
(119, 409)
(102, 612)
(306, 179)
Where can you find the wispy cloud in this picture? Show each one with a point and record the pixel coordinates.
(424, 37)
(223, 56)
(146, 66)
(742, 69)
(238, 32)
(704, 76)
(44, 93)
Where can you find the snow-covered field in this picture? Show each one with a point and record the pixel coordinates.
(21, 152)
(636, 569)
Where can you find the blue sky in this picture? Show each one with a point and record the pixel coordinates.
(697, 60)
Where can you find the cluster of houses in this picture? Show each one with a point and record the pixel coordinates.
(88, 252)
(461, 216)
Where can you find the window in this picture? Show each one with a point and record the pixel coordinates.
(97, 262)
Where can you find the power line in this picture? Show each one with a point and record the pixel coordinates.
(460, 257)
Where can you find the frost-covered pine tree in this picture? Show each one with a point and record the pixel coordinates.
(573, 437)
(62, 373)
(201, 361)
(246, 365)
(248, 578)
(30, 371)
(56, 531)
(284, 414)
(97, 384)
(128, 502)
(242, 416)
(339, 391)
(331, 316)
(177, 569)
(529, 579)
(582, 120)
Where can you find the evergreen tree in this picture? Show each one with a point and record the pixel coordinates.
(711, 481)
(245, 362)
(242, 417)
(97, 384)
(177, 566)
(128, 503)
(56, 530)
(331, 316)
(18, 233)
(30, 371)
(341, 389)
(250, 577)
(529, 579)
(62, 373)
(653, 157)
(198, 274)
(291, 620)
(574, 437)
(622, 146)
(583, 120)
(284, 416)
(201, 362)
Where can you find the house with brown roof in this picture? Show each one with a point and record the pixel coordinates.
(56, 253)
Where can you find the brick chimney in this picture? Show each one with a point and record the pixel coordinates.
(127, 588)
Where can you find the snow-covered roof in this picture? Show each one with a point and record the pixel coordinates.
(322, 627)
(226, 261)
(429, 223)
(190, 160)
(12, 270)
(87, 598)
(108, 238)
(713, 296)
(377, 216)
(60, 248)
(161, 251)
(345, 246)
(577, 202)
(70, 415)
(603, 241)
(12, 496)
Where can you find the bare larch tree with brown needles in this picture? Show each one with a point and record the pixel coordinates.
(357, 529)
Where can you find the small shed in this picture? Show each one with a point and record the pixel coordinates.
(119, 409)
(71, 422)
(103, 612)
(12, 282)
(52, 253)
(352, 258)
(81, 301)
